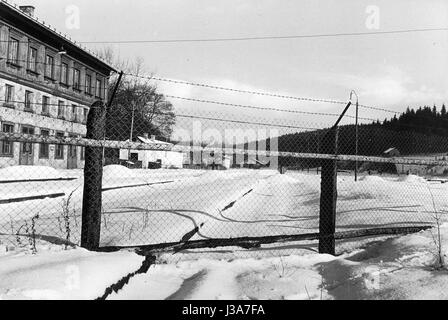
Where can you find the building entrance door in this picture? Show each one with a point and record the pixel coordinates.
(72, 158)
(26, 149)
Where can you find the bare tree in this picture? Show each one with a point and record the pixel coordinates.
(138, 107)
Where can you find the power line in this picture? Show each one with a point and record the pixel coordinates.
(262, 38)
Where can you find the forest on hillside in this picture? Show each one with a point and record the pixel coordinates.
(414, 132)
(420, 131)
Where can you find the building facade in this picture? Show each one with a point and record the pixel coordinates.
(153, 159)
(47, 84)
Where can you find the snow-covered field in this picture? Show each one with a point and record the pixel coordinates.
(160, 206)
(156, 206)
(381, 268)
(393, 268)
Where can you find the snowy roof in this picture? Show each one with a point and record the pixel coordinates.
(390, 150)
(151, 141)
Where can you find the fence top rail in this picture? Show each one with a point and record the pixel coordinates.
(83, 142)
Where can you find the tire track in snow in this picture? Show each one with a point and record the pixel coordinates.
(188, 287)
(231, 204)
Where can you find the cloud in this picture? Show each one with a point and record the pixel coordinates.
(392, 88)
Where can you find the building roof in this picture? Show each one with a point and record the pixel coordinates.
(390, 150)
(151, 141)
(40, 30)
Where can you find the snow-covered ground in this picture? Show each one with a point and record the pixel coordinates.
(56, 273)
(400, 267)
(158, 206)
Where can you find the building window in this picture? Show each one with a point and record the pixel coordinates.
(72, 150)
(32, 59)
(45, 105)
(83, 151)
(13, 51)
(61, 111)
(74, 113)
(88, 88)
(28, 101)
(85, 113)
(77, 80)
(98, 89)
(49, 67)
(7, 146)
(27, 130)
(64, 73)
(43, 148)
(9, 95)
(59, 150)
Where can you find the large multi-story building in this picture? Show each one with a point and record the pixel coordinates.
(47, 84)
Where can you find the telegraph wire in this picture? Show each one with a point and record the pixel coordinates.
(260, 38)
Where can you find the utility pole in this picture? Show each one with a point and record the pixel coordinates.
(356, 133)
(131, 133)
(132, 122)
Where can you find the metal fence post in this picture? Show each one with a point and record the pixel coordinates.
(328, 197)
(93, 175)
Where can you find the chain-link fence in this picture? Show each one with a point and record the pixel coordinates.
(138, 173)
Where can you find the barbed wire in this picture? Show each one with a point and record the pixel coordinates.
(247, 122)
(209, 86)
(199, 100)
(262, 108)
(323, 126)
(256, 92)
(215, 87)
(211, 118)
(93, 87)
(234, 105)
(177, 145)
(213, 102)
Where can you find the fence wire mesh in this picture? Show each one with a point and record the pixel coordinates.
(168, 173)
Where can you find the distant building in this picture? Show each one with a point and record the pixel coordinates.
(47, 84)
(153, 159)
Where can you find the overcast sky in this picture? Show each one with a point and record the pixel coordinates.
(387, 70)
